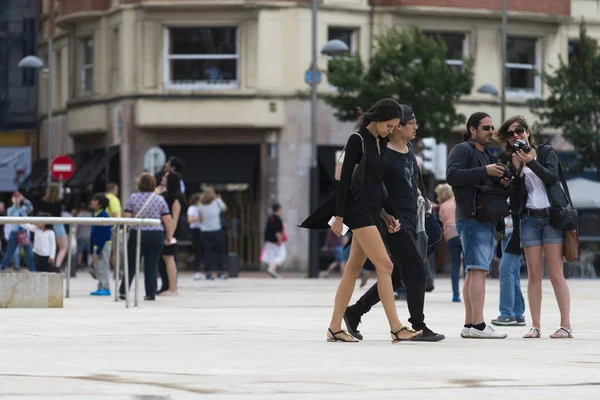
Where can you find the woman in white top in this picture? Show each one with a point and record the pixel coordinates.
(209, 214)
(193, 216)
(538, 189)
(44, 245)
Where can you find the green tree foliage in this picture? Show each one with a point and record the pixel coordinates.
(410, 67)
(573, 102)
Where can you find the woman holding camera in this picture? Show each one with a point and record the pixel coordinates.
(537, 189)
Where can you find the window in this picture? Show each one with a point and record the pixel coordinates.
(201, 57)
(574, 50)
(58, 79)
(114, 61)
(87, 64)
(346, 35)
(457, 46)
(522, 63)
(29, 49)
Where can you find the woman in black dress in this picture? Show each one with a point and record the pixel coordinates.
(359, 199)
(171, 191)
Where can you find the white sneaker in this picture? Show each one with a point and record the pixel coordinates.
(465, 333)
(199, 277)
(487, 333)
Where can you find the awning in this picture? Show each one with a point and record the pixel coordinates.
(212, 164)
(93, 167)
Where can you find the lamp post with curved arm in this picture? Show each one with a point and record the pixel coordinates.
(36, 63)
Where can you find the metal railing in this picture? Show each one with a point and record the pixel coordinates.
(121, 228)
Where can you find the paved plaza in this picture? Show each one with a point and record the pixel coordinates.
(259, 338)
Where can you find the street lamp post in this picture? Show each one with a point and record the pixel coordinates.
(331, 48)
(37, 63)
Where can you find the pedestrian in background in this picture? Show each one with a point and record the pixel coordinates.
(101, 245)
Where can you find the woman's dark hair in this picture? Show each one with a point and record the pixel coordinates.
(383, 110)
(101, 199)
(173, 191)
(146, 182)
(195, 197)
(45, 214)
(177, 164)
(502, 133)
(474, 121)
(276, 207)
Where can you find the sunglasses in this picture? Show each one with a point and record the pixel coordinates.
(488, 127)
(519, 130)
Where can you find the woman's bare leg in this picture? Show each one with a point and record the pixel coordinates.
(346, 288)
(62, 250)
(535, 273)
(554, 264)
(373, 247)
(172, 274)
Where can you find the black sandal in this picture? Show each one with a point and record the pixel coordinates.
(399, 339)
(336, 339)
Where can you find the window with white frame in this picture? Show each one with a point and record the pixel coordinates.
(201, 57)
(87, 64)
(457, 45)
(346, 35)
(523, 61)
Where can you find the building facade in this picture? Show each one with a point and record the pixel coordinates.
(221, 84)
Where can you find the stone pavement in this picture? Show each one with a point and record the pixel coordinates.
(258, 338)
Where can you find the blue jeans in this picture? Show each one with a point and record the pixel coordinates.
(10, 251)
(512, 304)
(455, 252)
(478, 243)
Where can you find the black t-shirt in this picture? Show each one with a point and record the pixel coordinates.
(274, 226)
(401, 183)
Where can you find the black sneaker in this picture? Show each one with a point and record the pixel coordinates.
(352, 321)
(429, 336)
(504, 321)
(520, 321)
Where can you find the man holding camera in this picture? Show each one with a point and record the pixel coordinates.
(479, 184)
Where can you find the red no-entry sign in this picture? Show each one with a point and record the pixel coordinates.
(62, 168)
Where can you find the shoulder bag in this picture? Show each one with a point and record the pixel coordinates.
(566, 219)
(358, 175)
(490, 200)
(433, 229)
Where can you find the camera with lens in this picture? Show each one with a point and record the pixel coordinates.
(522, 145)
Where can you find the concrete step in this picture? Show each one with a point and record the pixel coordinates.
(31, 290)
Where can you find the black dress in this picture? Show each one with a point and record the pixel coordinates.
(364, 210)
(171, 249)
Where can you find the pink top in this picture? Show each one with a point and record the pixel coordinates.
(447, 216)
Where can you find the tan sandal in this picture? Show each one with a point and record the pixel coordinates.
(534, 333)
(562, 333)
(413, 334)
(335, 338)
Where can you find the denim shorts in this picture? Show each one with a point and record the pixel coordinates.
(478, 242)
(59, 231)
(536, 231)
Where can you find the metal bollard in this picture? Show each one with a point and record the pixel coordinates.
(126, 268)
(69, 256)
(137, 264)
(117, 261)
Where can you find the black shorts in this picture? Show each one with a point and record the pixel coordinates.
(357, 221)
(170, 250)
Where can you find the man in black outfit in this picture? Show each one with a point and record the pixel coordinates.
(409, 267)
